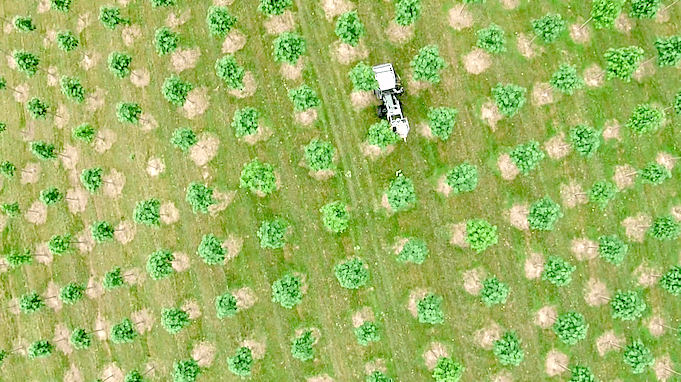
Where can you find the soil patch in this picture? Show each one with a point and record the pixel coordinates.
(143, 320)
(197, 102)
(94, 289)
(460, 18)
(333, 8)
(102, 328)
(95, 100)
(609, 341)
(386, 204)
(611, 130)
(376, 365)
(28, 133)
(257, 348)
(250, 86)
(130, 34)
(472, 281)
(584, 249)
(7, 27)
(52, 76)
(502, 376)
(435, 351)
(245, 298)
(70, 157)
(320, 378)
(4, 265)
(85, 241)
(557, 147)
(398, 34)
(125, 232)
(307, 117)
(346, 54)
(415, 296)
(61, 116)
(363, 99)
(635, 227)
(490, 114)
(73, 374)
(647, 276)
(361, 316)
(192, 308)
(43, 255)
(573, 195)
(50, 38)
(443, 187)
(647, 69)
(169, 213)
(518, 216)
(596, 293)
(155, 167)
(22, 93)
(508, 169)
(51, 297)
(510, 4)
(104, 140)
(204, 353)
(223, 2)
(656, 326)
(30, 173)
(13, 306)
(525, 47)
(262, 134)
(134, 276)
(234, 42)
(223, 200)
(662, 16)
(293, 72)
(89, 60)
(21, 345)
(546, 317)
(112, 373)
(84, 21)
(414, 87)
(556, 363)
(624, 176)
(61, 339)
(374, 152)
(76, 199)
(205, 149)
(280, 23)
(666, 160)
(148, 122)
(534, 266)
(183, 59)
(543, 94)
(181, 262)
(174, 21)
(113, 183)
(458, 235)
(36, 213)
(579, 34)
(486, 337)
(624, 24)
(140, 77)
(322, 175)
(664, 368)
(593, 76)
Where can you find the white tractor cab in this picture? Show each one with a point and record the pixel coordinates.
(388, 88)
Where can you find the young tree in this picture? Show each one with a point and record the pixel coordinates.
(211, 250)
(585, 140)
(407, 12)
(602, 192)
(230, 72)
(379, 376)
(335, 216)
(644, 9)
(414, 251)
(30, 303)
(241, 362)
(544, 214)
(245, 121)
(165, 41)
(462, 178)
(492, 39)
(288, 47)
(494, 292)
(11, 209)
(655, 173)
(159, 264)
(62, 6)
(200, 197)
(429, 310)
(226, 305)
(401, 193)
(162, 3)
(671, 281)
(51, 195)
(566, 80)
(665, 228)
(43, 150)
(352, 274)
(367, 333)
(549, 27)
(622, 62)
(23, 24)
(287, 291)
(123, 332)
(102, 232)
(303, 98)
(113, 279)
(186, 371)
(319, 155)
(175, 90)
(258, 177)
(84, 132)
(668, 50)
(508, 350)
(67, 41)
(509, 98)
(349, 28)
(582, 374)
(91, 178)
(441, 121)
(363, 78)
(527, 156)
(119, 64)
(382, 135)
(638, 356)
(128, 112)
(427, 64)
(27, 62)
(627, 305)
(612, 249)
(71, 293)
(301, 346)
(272, 233)
(604, 13)
(220, 21)
(274, 7)
(133, 376)
(570, 327)
(677, 103)
(80, 339)
(110, 17)
(447, 370)
(480, 234)
(174, 320)
(37, 109)
(40, 349)
(17, 259)
(645, 119)
(72, 89)
(183, 138)
(148, 212)
(558, 271)
(8, 169)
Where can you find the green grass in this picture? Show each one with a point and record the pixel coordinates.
(360, 182)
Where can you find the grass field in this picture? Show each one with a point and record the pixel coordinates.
(359, 180)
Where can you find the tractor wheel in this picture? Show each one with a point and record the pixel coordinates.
(382, 111)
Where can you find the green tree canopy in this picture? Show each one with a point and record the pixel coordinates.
(119, 64)
(183, 138)
(548, 27)
(407, 12)
(401, 193)
(8, 169)
(462, 178)
(612, 249)
(59, 245)
(544, 214)
(665, 227)
(494, 292)
(367, 333)
(200, 197)
(174, 319)
(123, 332)
(40, 349)
(110, 17)
(166, 41)
(71, 293)
(230, 72)
(91, 178)
(480, 234)
(508, 349)
(175, 90)
(492, 39)
(509, 98)
(582, 374)
(159, 264)
(429, 310)
(527, 156)
(622, 62)
(627, 305)
(335, 216)
(441, 121)
(427, 64)
(51, 195)
(258, 177)
(570, 327)
(37, 108)
(241, 362)
(645, 119)
(447, 370)
(272, 233)
(655, 173)
(414, 251)
(288, 47)
(148, 212)
(274, 7)
(349, 28)
(668, 50)
(220, 21)
(84, 132)
(566, 80)
(602, 192)
(558, 271)
(303, 98)
(287, 291)
(378, 376)
(604, 12)
(27, 62)
(211, 250)
(80, 339)
(43, 150)
(585, 139)
(352, 274)
(644, 9)
(226, 305)
(30, 303)
(245, 121)
(186, 371)
(363, 78)
(382, 135)
(113, 279)
(102, 231)
(638, 356)
(319, 155)
(671, 281)
(128, 112)
(23, 24)
(61, 5)
(301, 346)
(67, 41)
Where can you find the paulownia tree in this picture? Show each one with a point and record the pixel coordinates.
(211, 250)
(183, 138)
(23, 24)
(303, 98)
(113, 279)
(645, 118)
(407, 12)
(655, 173)
(509, 98)
(148, 212)
(258, 177)
(10, 209)
(67, 41)
(427, 64)
(414, 251)
(585, 140)
(367, 333)
(363, 77)
(200, 197)
(51, 195)
(549, 27)
(230, 72)
(8, 169)
(71, 293)
(241, 362)
(272, 233)
(186, 370)
(441, 121)
(59, 244)
(62, 6)
(382, 135)
(352, 274)
(401, 193)
(612, 249)
(622, 62)
(378, 376)
(335, 216)
(627, 305)
(17, 259)
(159, 264)
(162, 3)
(40, 349)
(175, 90)
(288, 47)
(447, 370)
(123, 332)
(429, 309)
(226, 305)
(668, 50)
(274, 7)
(671, 281)
(582, 374)
(480, 234)
(72, 89)
(319, 155)
(133, 376)
(492, 39)
(174, 319)
(638, 356)
(119, 64)
(494, 292)
(102, 231)
(570, 327)
(220, 21)
(30, 303)
(527, 156)
(301, 346)
(558, 271)
(110, 17)
(91, 178)
(43, 150)
(665, 228)
(37, 108)
(508, 349)
(644, 9)
(349, 28)
(27, 62)
(602, 192)
(566, 80)
(544, 214)
(245, 121)
(80, 339)
(128, 112)
(84, 132)
(462, 178)
(287, 291)
(166, 41)
(604, 13)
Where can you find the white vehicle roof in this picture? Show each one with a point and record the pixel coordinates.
(401, 127)
(385, 75)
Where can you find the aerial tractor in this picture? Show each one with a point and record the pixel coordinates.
(388, 88)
